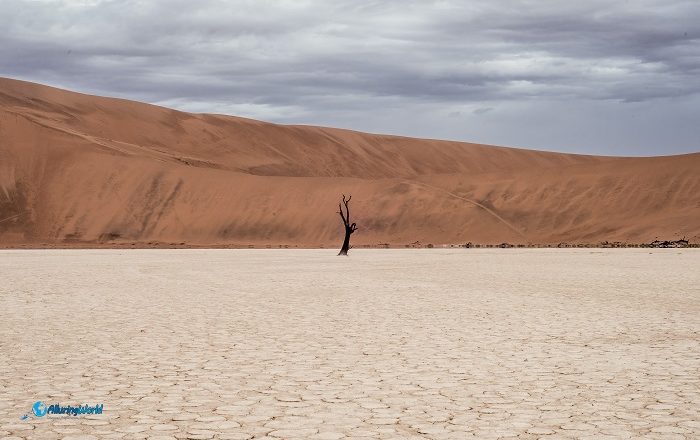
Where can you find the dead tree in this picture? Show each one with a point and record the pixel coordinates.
(349, 227)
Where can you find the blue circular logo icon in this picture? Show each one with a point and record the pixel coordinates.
(39, 409)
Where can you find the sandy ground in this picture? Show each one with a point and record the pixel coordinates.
(436, 344)
(87, 171)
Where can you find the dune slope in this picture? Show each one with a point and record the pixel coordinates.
(79, 170)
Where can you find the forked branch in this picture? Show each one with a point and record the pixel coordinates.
(345, 215)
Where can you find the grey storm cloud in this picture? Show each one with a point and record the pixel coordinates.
(593, 77)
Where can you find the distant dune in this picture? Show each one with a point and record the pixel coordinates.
(80, 170)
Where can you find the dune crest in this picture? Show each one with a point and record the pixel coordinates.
(80, 170)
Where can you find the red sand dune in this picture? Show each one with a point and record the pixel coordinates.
(79, 170)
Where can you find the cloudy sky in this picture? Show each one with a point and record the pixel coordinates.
(603, 77)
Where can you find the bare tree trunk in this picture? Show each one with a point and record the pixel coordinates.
(346, 243)
(349, 227)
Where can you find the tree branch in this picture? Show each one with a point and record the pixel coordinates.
(347, 209)
(340, 211)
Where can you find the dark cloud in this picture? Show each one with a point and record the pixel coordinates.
(599, 77)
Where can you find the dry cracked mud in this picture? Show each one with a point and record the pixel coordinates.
(301, 344)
